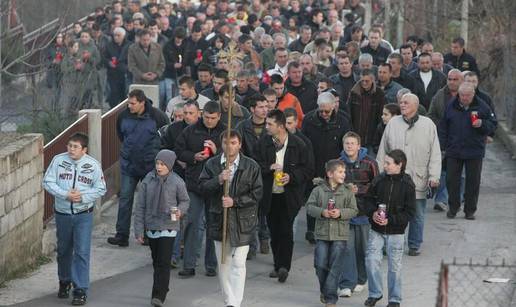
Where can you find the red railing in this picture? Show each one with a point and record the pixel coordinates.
(55, 147)
(111, 148)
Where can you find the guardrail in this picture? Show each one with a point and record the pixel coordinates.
(111, 149)
(55, 147)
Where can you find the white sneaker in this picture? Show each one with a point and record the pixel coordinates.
(359, 288)
(344, 292)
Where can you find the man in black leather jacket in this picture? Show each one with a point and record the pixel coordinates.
(245, 191)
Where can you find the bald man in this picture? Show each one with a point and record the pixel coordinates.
(417, 136)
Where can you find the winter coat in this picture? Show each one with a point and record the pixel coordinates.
(116, 54)
(190, 142)
(246, 190)
(249, 138)
(360, 173)
(439, 104)
(379, 54)
(343, 87)
(397, 192)
(459, 139)
(306, 93)
(175, 196)
(366, 111)
(463, 62)
(140, 63)
(84, 175)
(437, 82)
(296, 164)
(326, 137)
(391, 91)
(140, 139)
(421, 145)
(290, 101)
(330, 229)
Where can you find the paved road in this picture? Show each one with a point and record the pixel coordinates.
(490, 236)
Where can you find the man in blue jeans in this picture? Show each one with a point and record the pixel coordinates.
(194, 146)
(137, 128)
(76, 180)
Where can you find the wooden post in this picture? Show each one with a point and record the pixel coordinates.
(231, 54)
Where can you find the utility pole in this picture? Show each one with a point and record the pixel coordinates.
(400, 22)
(464, 21)
(387, 20)
(368, 15)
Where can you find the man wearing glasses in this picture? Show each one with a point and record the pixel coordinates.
(76, 181)
(324, 127)
(366, 102)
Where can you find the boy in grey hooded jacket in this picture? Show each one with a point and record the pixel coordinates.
(162, 202)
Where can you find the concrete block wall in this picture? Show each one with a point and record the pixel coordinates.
(21, 202)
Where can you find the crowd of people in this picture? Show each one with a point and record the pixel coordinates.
(324, 115)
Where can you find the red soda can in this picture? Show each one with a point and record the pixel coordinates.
(331, 204)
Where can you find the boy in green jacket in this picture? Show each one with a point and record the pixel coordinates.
(333, 204)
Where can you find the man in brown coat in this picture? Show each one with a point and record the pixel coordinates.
(366, 102)
(145, 60)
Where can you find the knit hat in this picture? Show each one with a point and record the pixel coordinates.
(168, 157)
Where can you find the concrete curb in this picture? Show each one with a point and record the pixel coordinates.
(507, 137)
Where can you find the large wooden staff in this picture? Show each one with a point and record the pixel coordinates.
(231, 54)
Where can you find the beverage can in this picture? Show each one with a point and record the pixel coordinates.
(331, 204)
(277, 177)
(173, 214)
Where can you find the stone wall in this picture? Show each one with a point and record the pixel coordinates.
(21, 201)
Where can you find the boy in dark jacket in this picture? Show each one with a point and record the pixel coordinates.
(332, 204)
(361, 169)
(162, 202)
(393, 201)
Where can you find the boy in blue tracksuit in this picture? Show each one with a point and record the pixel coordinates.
(75, 179)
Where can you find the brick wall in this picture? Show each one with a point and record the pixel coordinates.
(21, 201)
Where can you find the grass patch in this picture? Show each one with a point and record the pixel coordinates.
(26, 270)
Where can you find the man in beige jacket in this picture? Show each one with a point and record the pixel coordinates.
(145, 60)
(417, 136)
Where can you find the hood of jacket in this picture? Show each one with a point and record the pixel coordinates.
(362, 153)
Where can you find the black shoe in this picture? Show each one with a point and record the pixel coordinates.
(187, 273)
(414, 252)
(470, 216)
(79, 298)
(64, 290)
(273, 274)
(282, 275)
(118, 240)
(391, 304)
(211, 273)
(309, 236)
(371, 301)
(450, 215)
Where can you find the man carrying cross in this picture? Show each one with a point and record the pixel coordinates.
(241, 202)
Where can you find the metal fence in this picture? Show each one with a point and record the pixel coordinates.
(476, 285)
(55, 147)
